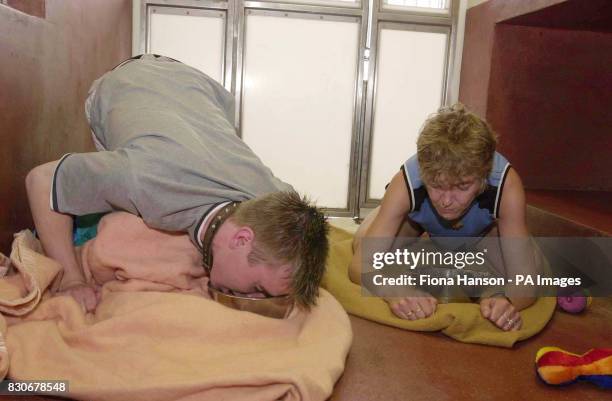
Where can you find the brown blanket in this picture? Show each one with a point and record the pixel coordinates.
(154, 345)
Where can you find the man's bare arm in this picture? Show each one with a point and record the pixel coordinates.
(54, 229)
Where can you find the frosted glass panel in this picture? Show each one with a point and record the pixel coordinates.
(422, 5)
(419, 3)
(196, 39)
(298, 96)
(410, 77)
(341, 3)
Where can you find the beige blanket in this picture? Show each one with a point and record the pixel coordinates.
(145, 344)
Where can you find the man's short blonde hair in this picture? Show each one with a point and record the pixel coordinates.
(288, 229)
(455, 143)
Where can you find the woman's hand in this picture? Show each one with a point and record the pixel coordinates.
(415, 307)
(501, 312)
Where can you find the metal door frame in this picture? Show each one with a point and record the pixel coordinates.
(405, 20)
(318, 12)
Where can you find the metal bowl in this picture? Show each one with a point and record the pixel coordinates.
(274, 307)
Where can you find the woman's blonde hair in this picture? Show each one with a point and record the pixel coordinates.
(288, 229)
(455, 143)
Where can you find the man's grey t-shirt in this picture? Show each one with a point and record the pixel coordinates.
(172, 152)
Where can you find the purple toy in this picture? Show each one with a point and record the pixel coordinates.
(574, 303)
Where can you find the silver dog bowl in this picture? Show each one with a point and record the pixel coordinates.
(274, 307)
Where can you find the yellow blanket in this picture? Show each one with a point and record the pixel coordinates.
(161, 345)
(460, 321)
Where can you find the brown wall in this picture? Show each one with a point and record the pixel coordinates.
(480, 26)
(542, 80)
(550, 98)
(46, 69)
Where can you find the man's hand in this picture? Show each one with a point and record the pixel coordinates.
(415, 307)
(84, 294)
(501, 312)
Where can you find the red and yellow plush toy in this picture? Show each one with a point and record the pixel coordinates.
(557, 367)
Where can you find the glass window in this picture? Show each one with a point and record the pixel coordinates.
(298, 100)
(331, 3)
(194, 37)
(418, 5)
(409, 83)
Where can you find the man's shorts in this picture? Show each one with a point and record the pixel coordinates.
(94, 87)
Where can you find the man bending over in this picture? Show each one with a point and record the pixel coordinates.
(168, 152)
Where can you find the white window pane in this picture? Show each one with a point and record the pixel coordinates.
(298, 98)
(410, 76)
(196, 39)
(345, 3)
(419, 5)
